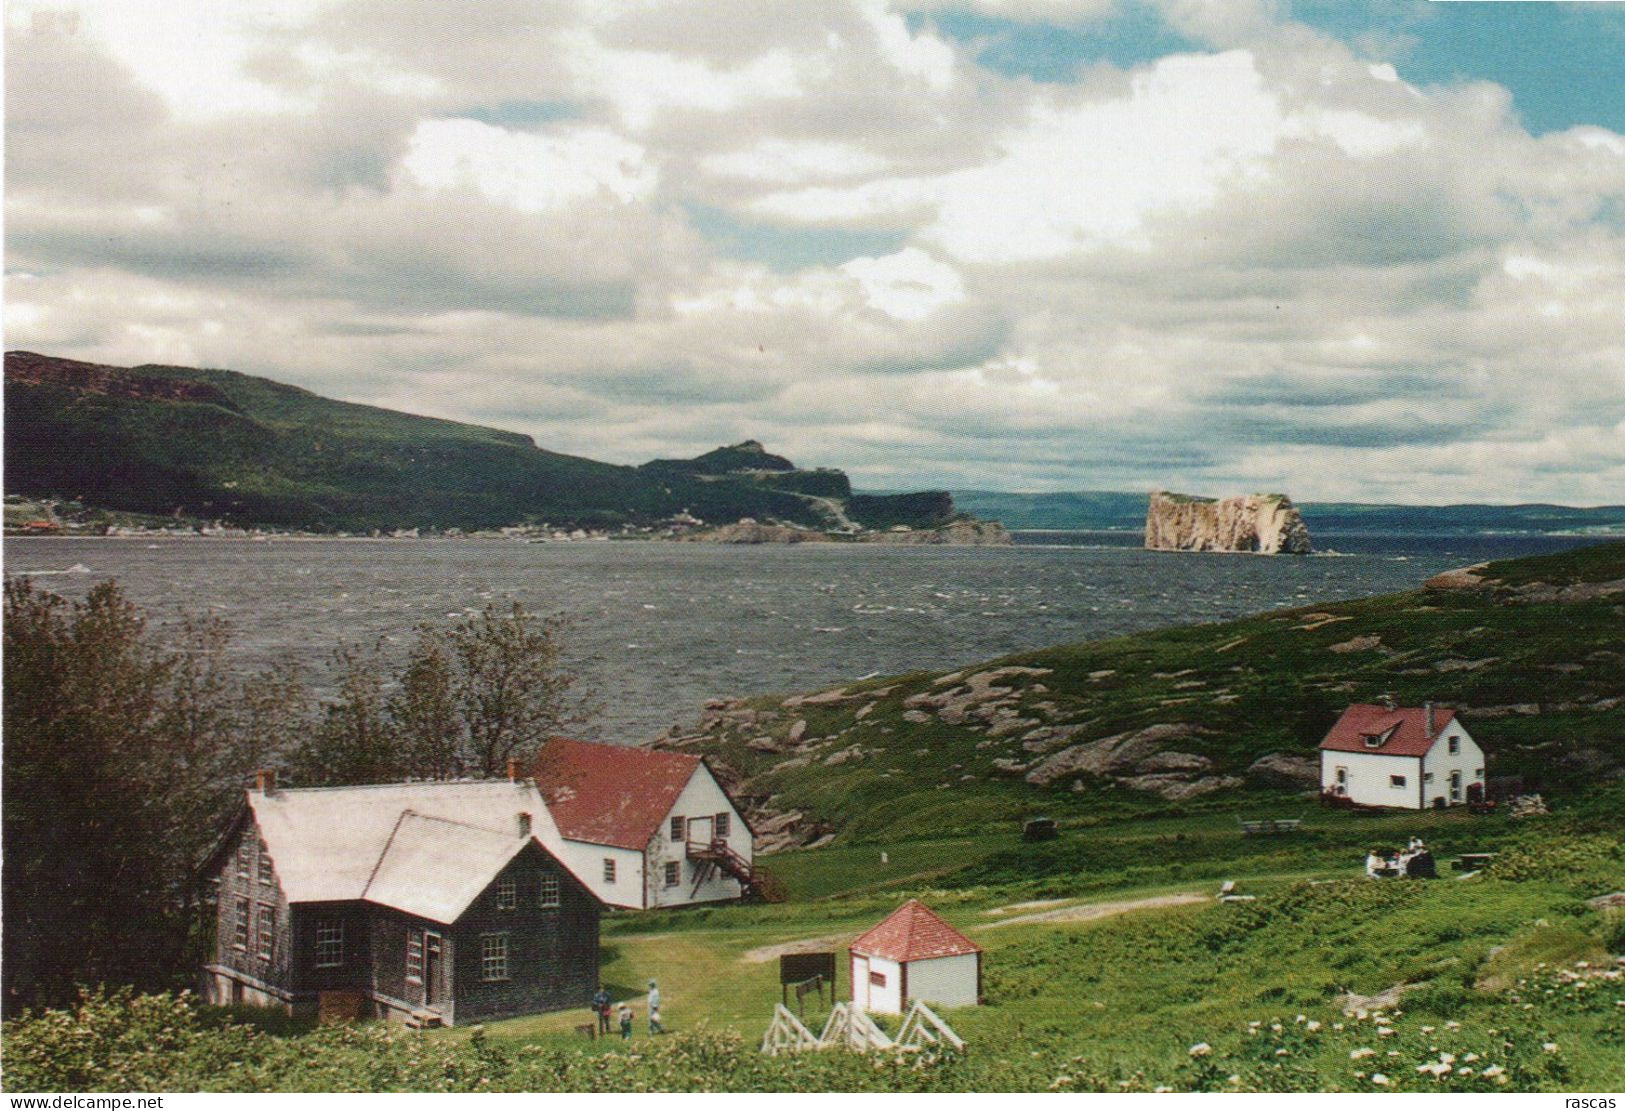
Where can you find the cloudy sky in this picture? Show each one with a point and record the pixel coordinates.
(1360, 251)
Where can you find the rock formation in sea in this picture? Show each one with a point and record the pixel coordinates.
(1264, 523)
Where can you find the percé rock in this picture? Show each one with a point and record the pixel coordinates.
(1264, 523)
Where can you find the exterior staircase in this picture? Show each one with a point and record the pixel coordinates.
(716, 855)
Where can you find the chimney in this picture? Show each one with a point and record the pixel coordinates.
(1388, 702)
(265, 781)
(524, 824)
(513, 769)
(1427, 708)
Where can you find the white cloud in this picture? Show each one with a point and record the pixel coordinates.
(910, 285)
(532, 173)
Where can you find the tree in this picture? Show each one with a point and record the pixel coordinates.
(121, 758)
(467, 699)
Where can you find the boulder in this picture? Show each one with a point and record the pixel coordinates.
(1176, 788)
(1286, 771)
(1119, 753)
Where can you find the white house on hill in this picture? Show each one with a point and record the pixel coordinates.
(912, 955)
(1413, 757)
(644, 828)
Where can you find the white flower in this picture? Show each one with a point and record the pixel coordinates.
(1378, 1078)
(1201, 1049)
(1301, 1018)
(1280, 1052)
(1494, 1071)
(1363, 1051)
(1277, 1027)
(1311, 1026)
(1550, 1047)
(1385, 1032)
(1235, 1078)
(1454, 1025)
(1470, 1057)
(1464, 1072)
(1337, 1026)
(1162, 1088)
(1428, 1029)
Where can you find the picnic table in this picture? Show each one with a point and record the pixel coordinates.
(1472, 862)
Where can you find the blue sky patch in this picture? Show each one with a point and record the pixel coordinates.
(786, 250)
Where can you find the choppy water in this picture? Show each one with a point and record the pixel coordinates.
(659, 628)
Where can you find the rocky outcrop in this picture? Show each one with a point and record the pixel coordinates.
(1137, 752)
(1285, 771)
(27, 368)
(754, 532)
(1267, 524)
(967, 531)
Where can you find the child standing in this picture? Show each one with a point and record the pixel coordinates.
(626, 1021)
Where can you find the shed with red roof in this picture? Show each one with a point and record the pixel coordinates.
(913, 954)
(1411, 757)
(645, 828)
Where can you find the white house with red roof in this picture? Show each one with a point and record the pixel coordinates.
(911, 955)
(644, 828)
(1412, 757)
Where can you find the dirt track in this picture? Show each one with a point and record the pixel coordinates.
(1084, 912)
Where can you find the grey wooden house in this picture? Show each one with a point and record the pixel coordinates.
(430, 903)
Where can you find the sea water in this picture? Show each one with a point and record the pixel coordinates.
(658, 628)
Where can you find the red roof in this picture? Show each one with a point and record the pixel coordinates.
(913, 932)
(1404, 729)
(614, 795)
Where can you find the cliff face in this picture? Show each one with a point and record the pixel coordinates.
(1264, 523)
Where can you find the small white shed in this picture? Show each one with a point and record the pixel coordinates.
(911, 955)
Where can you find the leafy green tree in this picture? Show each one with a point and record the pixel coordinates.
(122, 755)
(353, 739)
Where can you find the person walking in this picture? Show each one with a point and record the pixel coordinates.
(601, 1008)
(654, 1009)
(626, 1022)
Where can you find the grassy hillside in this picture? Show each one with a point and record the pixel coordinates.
(1180, 718)
(1110, 983)
(218, 444)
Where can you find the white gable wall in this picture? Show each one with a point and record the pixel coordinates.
(1369, 777)
(700, 801)
(586, 860)
(1468, 762)
(885, 997)
(948, 981)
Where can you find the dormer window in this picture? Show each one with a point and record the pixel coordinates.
(1373, 740)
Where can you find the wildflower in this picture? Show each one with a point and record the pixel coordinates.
(1235, 1078)
(1162, 1088)
(1312, 1026)
(1454, 1025)
(1379, 1078)
(1276, 1027)
(1550, 1047)
(1428, 1029)
(1201, 1049)
(1363, 1051)
(1254, 1025)
(1337, 1026)
(1493, 1071)
(1301, 1019)
(1385, 1031)
(1281, 1052)
(1464, 1072)
(1448, 1058)
(1470, 1057)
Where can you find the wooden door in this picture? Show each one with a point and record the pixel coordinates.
(433, 962)
(1455, 786)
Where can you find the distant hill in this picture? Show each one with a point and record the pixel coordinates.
(1120, 510)
(216, 444)
(1528, 650)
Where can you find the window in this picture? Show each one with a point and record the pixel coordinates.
(1373, 740)
(245, 854)
(266, 935)
(329, 942)
(507, 894)
(414, 957)
(548, 893)
(1396, 781)
(877, 979)
(677, 829)
(1427, 777)
(673, 873)
(239, 938)
(1455, 746)
(609, 869)
(493, 956)
(1479, 773)
(720, 829)
(266, 876)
